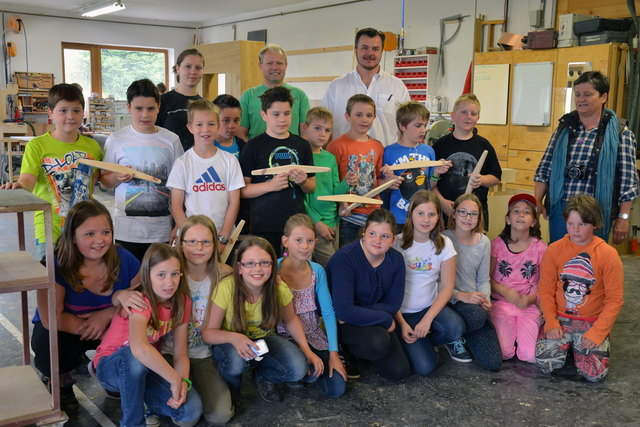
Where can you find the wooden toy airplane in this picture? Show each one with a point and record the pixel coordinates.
(417, 164)
(373, 193)
(280, 169)
(112, 167)
(232, 241)
(350, 198)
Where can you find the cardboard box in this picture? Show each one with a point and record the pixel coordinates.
(43, 81)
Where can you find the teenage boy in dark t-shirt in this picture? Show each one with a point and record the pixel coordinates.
(274, 198)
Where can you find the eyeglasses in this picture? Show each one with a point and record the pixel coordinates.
(204, 243)
(254, 264)
(464, 213)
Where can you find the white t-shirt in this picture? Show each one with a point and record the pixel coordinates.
(388, 92)
(423, 272)
(142, 208)
(206, 183)
(196, 347)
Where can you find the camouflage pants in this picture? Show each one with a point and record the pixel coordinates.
(551, 355)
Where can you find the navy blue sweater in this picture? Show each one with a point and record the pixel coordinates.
(363, 295)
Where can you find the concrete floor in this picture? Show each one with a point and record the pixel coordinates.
(455, 394)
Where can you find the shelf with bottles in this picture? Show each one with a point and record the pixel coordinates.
(33, 101)
(417, 72)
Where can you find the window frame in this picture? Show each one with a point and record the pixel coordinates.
(96, 60)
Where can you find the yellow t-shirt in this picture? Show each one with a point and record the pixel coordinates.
(223, 298)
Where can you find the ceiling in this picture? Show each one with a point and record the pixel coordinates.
(188, 13)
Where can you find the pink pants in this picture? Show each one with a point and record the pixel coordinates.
(515, 325)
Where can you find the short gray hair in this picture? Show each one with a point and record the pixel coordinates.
(273, 48)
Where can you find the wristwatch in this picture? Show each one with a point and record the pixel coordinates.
(623, 215)
(224, 240)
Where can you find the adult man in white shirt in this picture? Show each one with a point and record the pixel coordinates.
(367, 78)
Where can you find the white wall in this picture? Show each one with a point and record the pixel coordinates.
(336, 26)
(44, 37)
(320, 28)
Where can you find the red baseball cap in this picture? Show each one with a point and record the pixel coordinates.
(523, 197)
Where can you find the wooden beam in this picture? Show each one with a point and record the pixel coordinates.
(345, 48)
(311, 79)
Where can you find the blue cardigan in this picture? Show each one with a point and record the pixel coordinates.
(363, 295)
(326, 306)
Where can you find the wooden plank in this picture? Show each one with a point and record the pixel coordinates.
(344, 48)
(20, 200)
(23, 396)
(20, 271)
(232, 240)
(310, 79)
(285, 169)
(417, 164)
(476, 170)
(119, 169)
(373, 193)
(350, 198)
(605, 9)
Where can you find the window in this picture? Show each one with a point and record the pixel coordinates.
(109, 70)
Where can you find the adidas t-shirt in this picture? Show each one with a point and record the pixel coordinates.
(206, 183)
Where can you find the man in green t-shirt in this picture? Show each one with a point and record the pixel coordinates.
(273, 64)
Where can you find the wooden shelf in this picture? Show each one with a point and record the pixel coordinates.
(23, 396)
(21, 272)
(20, 201)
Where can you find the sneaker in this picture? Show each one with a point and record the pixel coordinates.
(351, 366)
(68, 402)
(458, 351)
(298, 385)
(82, 366)
(151, 419)
(268, 391)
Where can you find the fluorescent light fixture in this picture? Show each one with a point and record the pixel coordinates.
(104, 8)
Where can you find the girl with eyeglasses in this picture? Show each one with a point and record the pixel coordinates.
(197, 250)
(367, 282)
(246, 308)
(473, 287)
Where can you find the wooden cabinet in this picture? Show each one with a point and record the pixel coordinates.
(23, 397)
(237, 60)
(521, 147)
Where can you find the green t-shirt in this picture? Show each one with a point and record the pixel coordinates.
(252, 105)
(223, 298)
(60, 179)
(327, 184)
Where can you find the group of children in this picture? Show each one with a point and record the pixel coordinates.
(397, 284)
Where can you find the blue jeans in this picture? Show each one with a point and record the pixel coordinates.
(446, 327)
(557, 225)
(334, 386)
(284, 362)
(348, 232)
(137, 384)
(480, 336)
